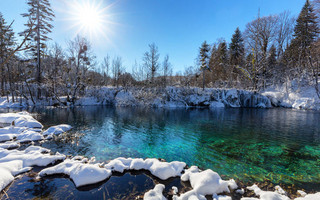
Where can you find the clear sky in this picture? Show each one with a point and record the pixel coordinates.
(178, 27)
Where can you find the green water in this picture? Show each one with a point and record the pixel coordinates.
(251, 145)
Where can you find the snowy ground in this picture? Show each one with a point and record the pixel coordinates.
(22, 128)
(293, 95)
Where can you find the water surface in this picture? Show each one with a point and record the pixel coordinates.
(251, 145)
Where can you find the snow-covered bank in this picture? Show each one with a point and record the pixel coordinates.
(83, 171)
(293, 95)
(153, 97)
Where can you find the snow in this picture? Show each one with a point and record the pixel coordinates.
(155, 194)
(29, 136)
(216, 104)
(162, 170)
(291, 95)
(32, 156)
(190, 195)
(302, 193)
(81, 173)
(8, 118)
(8, 170)
(9, 145)
(240, 191)
(175, 190)
(27, 121)
(267, 195)
(170, 97)
(221, 197)
(12, 129)
(56, 130)
(7, 137)
(309, 197)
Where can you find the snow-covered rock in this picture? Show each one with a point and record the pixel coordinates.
(81, 173)
(267, 195)
(216, 104)
(8, 170)
(28, 136)
(155, 194)
(205, 182)
(162, 170)
(9, 145)
(27, 121)
(315, 196)
(30, 157)
(56, 130)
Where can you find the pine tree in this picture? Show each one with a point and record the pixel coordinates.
(236, 48)
(272, 63)
(204, 60)
(6, 44)
(305, 31)
(42, 15)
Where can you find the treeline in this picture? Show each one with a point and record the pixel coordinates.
(271, 50)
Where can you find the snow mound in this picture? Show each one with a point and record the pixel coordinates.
(7, 137)
(162, 170)
(267, 195)
(8, 118)
(206, 182)
(56, 130)
(29, 136)
(32, 156)
(27, 121)
(216, 104)
(309, 197)
(8, 170)
(12, 130)
(81, 173)
(155, 193)
(9, 145)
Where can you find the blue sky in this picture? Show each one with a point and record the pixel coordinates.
(178, 27)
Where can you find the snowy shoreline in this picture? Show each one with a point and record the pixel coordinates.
(173, 97)
(83, 171)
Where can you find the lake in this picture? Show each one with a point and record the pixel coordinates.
(250, 145)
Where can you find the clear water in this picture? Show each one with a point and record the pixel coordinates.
(251, 145)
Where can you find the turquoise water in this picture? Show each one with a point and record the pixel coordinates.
(251, 145)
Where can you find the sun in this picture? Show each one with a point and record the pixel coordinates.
(90, 18)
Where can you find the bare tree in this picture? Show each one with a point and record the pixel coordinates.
(167, 70)
(117, 70)
(80, 61)
(260, 34)
(150, 59)
(106, 69)
(284, 30)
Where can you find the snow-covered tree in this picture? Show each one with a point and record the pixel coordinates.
(41, 16)
(6, 45)
(204, 60)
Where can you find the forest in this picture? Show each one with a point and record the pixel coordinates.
(271, 50)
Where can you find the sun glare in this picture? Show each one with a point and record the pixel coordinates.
(90, 18)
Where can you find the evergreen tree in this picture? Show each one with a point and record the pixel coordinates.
(305, 31)
(272, 63)
(41, 15)
(222, 53)
(6, 44)
(236, 48)
(204, 60)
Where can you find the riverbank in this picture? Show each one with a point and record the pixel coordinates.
(288, 96)
(84, 171)
(170, 97)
